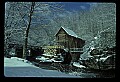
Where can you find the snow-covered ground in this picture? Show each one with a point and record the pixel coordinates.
(17, 67)
(16, 62)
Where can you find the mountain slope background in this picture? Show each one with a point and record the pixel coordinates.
(87, 20)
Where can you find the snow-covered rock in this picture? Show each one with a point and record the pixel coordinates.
(105, 58)
(76, 64)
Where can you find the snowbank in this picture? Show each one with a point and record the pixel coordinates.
(17, 67)
(16, 62)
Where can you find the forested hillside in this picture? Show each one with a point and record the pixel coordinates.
(96, 24)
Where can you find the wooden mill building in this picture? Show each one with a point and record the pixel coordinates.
(67, 38)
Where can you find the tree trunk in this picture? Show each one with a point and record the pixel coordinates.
(27, 31)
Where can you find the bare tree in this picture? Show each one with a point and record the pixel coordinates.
(32, 15)
(27, 29)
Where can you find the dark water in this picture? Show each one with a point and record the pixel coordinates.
(86, 73)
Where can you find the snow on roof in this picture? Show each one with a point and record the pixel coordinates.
(70, 32)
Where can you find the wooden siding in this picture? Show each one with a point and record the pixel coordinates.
(70, 41)
(62, 38)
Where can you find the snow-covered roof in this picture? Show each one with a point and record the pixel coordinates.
(69, 32)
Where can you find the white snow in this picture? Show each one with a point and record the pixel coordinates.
(92, 48)
(45, 58)
(103, 59)
(16, 67)
(16, 62)
(53, 60)
(95, 37)
(42, 58)
(49, 55)
(97, 60)
(70, 32)
(78, 65)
